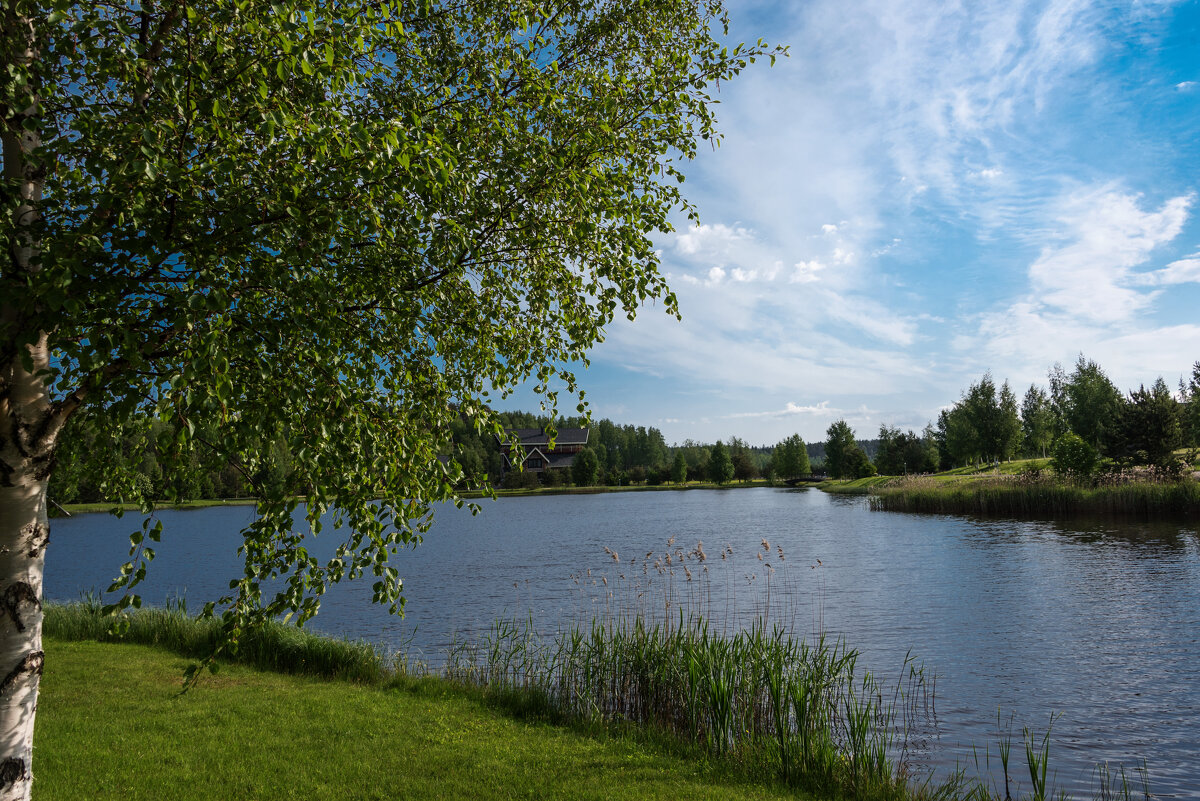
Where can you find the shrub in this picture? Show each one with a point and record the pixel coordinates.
(1071, 456)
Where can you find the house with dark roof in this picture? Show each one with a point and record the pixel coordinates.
(534, 453)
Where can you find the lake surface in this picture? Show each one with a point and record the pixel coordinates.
(1095, 621)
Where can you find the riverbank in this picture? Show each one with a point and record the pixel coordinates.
(1009, 493)
(687, 704)
(113, 725)
(1040, 497)
(108, 506)
(88, 508)
(293, 717)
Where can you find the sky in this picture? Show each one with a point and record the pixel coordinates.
(922, 192)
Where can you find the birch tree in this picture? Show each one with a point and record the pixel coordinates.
(343, 225)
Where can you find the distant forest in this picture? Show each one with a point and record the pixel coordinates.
(624, 454)
(1081, 419)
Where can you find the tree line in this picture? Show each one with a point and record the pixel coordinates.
(1080, 418)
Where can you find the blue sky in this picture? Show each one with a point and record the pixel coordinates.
(920, 193)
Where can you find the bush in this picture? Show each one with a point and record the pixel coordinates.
(1071, 456)
(521, 479)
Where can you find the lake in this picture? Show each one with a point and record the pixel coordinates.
(1097, 622)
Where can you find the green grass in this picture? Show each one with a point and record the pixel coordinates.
(108, 506)
(113, 725)
(755, 702)
(1053, 497)
(858, 486)
(273, 646)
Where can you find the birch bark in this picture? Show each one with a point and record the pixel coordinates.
(28, 431)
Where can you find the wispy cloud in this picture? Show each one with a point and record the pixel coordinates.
(924, 191)
(1106, 234)
(822, 409)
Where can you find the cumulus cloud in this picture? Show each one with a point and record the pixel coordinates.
(805, 272)
(712, 240)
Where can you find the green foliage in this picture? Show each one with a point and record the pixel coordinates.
(902, 453)
(1072, 456)
(839, 444)
(1190, 395)
(857, 464)
(845, 456)
(790, 458)
(521, 480)
(586, 468)
(1091, 405)
(720, 465)
(1149, 430)
(744, 468)
(679, 469)
(329, 232)
(1037, 421)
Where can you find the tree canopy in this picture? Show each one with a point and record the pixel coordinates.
(340, 227)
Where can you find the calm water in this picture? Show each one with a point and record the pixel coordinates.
(1096, 621)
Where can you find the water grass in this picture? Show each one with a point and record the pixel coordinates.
(1032, 497)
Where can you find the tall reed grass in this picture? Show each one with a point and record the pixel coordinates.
(1041, 497)
(803, 711)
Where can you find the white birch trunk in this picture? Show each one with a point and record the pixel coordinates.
(25, 459)
(23, 535)
(28, 430)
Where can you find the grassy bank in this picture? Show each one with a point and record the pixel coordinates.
(1039, 497)
(108, 506)
(649, 712)
(756, 703)
(858, 486)
(113, 725)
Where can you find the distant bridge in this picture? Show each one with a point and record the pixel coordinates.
(811, 478)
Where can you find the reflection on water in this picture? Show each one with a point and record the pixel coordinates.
(1094, 620)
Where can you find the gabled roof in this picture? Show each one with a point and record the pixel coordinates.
(534, 437)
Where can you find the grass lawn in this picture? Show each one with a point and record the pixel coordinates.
(112, 725)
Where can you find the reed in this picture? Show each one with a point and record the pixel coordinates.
(1115, 496)
(798, 710)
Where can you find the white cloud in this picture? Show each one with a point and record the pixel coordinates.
(829, 228)
(711, 240)
(805, 272)
(1185, 86)
(822, 409)
(1183, 271)
(1104, 234)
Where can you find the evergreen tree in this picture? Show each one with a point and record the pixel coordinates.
(720, 466)
(1150, 430)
